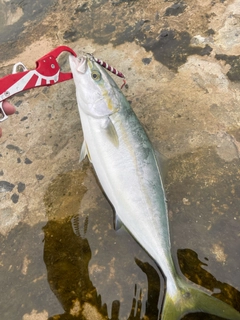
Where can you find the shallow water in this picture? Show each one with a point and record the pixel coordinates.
(60, 255)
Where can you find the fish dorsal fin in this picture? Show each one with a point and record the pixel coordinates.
(75, 225)
(79, 228)
(84, 152)
(111, 132)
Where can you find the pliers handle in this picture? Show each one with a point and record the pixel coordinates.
(47, 73)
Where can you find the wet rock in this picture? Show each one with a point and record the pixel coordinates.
(31, 11)
(24, 245)
(234, 61)
(146, 60)
(18, 103)
(39, 177)
(210, 32)
(70, 35)
(68, 247)
(188, 258)
(6, 186)
(27, 161)
(15, 198)
(176, 9)
(172, 48)
(117, 3)
(12, 147)
(21, 187)
(109, 28)
(82, 8)
(24, 118)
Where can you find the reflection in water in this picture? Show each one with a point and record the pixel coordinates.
(68, 254)
(192, 268)
(67, 257)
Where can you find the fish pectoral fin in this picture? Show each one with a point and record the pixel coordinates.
(111, 132)
(117, 222)
(84, 152)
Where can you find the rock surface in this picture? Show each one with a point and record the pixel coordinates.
(60, 257)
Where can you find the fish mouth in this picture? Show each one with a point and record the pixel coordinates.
(79, 63)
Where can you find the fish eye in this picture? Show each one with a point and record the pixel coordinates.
(96, 75)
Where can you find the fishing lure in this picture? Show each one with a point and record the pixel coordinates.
(111, 69)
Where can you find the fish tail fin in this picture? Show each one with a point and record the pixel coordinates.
(191, 299)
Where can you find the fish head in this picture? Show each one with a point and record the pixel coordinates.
(97, 93)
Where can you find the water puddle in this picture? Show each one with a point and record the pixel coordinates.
(202, 192)
(88, 263)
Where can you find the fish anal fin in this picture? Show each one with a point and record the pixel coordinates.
(117, 222)
(84, 152)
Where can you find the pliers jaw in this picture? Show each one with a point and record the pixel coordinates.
(48, 65)
(47, 73)
(3, 115)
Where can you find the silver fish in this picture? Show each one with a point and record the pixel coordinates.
(124, 160)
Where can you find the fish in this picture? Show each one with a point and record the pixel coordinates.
(125, 163)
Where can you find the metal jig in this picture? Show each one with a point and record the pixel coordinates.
(111, 69)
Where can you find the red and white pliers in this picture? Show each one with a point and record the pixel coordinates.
(47, 73)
